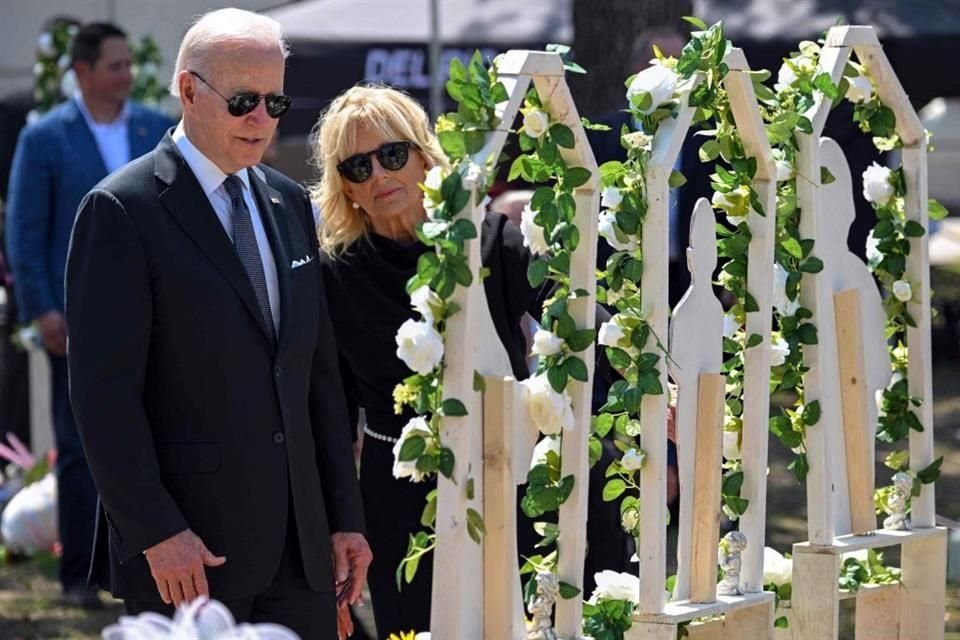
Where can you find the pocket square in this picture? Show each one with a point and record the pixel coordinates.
(307, 259)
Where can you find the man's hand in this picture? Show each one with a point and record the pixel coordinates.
(351, 557)
(344, 622)
(177, 565)
(53, 331)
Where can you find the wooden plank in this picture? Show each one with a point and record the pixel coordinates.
(922, 600)
(857, 431)
(851, 36)
(678, 611)
(819, 383)
(832, 61)
(920, 368)
(815, 611)
(874, 540)
(755, 623)
(706, 630)
(696, 347)
(651, 631)
(706, 487)
(503, 606)
(891, 92)
(878, 614)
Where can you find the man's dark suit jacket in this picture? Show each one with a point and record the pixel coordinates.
(190, 414)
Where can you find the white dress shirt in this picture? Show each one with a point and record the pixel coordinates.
(211, 180)
(113, 140)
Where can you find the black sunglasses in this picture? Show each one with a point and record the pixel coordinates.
(392, 156)
(243, 103)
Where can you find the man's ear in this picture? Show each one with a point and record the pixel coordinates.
(82, 68)
(187, 89)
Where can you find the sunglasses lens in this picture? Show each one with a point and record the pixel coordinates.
(393, 155)
(356, 168)
(277, 105)
(242, 104)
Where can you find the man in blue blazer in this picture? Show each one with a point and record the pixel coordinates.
(59, 158)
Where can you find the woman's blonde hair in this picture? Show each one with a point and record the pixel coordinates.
(392, 114)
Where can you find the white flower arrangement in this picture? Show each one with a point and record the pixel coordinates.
(546, 344)
(877, 187)
(550, 411)
(419, 345)
(200, 619)
(652, 88)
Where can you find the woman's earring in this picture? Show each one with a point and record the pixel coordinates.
(355, 205)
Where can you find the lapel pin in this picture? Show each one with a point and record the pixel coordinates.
(142, 131)
(274, 199)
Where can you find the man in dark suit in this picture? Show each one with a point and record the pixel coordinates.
(58, 159)
(203, 370)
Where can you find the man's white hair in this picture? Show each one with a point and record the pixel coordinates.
(214, 30)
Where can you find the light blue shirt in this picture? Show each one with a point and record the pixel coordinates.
(112, 138)
(211, 180)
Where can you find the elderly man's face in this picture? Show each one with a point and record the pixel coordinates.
(234, 142)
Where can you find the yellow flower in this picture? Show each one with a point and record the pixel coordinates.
(403, 394)
(404, 635)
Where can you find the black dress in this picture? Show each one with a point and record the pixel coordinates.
(368, 303)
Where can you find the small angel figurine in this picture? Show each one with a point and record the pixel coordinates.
(731, 547)
(541, 608)
(898, 501)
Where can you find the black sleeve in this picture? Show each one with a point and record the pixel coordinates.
(109, 311)
(330, 418)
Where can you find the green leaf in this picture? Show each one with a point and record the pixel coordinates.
(811, 413)
(412, 448)
(792, 246)
(602, 424)
(913, 229)
(613, 489)
(479, 384)
(736, 504)
(732, 484)
(568, 591)
(475, 526)
(453, 143)
(935, 210)
(781, 623)
(826, 86)
(537, 272)
(931, 472)
(709, 151)
(576, 369)
(800, 467)
(807, 334)
(580, 339)
(754, 340)
(447, 460)
(697, 22)
(812, 264)
(557, 376)
(575, 177)
(825, 176)
(451, 407)
(542, 196)
(562, 136)
(676, 179)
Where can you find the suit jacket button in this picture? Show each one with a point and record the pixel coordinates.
(276, 372)
(279, 438)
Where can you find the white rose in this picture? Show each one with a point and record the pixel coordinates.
(876, 184)
(408, 469)
(608, 230)
(546, 343)
(434, 178)
(535, 123)
(611, 333)
(777, 569)
(784, 305)
(611, 197)
(533, 237)
(786, 76)
(630, 520)
(784, 170)
(874, 255)
(779, 350)
(632, 459)
(424, 301)
(860, 89)
(423, 635)
(657, 80)
(638, 140)
(68, 83)
(419, 346)
(613, 585)
(550, 411)
(45, 44)
(430, 208)
(544, 447)
(730, 325)
(731, 445)
(735, 204)
(902, 290)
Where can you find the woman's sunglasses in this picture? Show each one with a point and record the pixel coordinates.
(392, 156)
(245, 102)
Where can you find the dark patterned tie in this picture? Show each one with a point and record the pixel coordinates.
(245, 242)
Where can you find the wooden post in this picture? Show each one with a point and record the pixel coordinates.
(706, 487)
(878, 613)
(922, 599)
(816, 609)
(857, 430)
(754, 622)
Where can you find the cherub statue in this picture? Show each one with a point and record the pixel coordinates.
(898, 501)
(731, 547)
(541, 608)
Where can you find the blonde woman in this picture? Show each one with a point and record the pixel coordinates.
(372, 146)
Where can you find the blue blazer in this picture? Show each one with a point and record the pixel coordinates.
(56, 163)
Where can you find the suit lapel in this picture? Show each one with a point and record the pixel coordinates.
(270, 204)
(185, 200)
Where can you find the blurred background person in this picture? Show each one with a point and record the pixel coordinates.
(58, 158)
